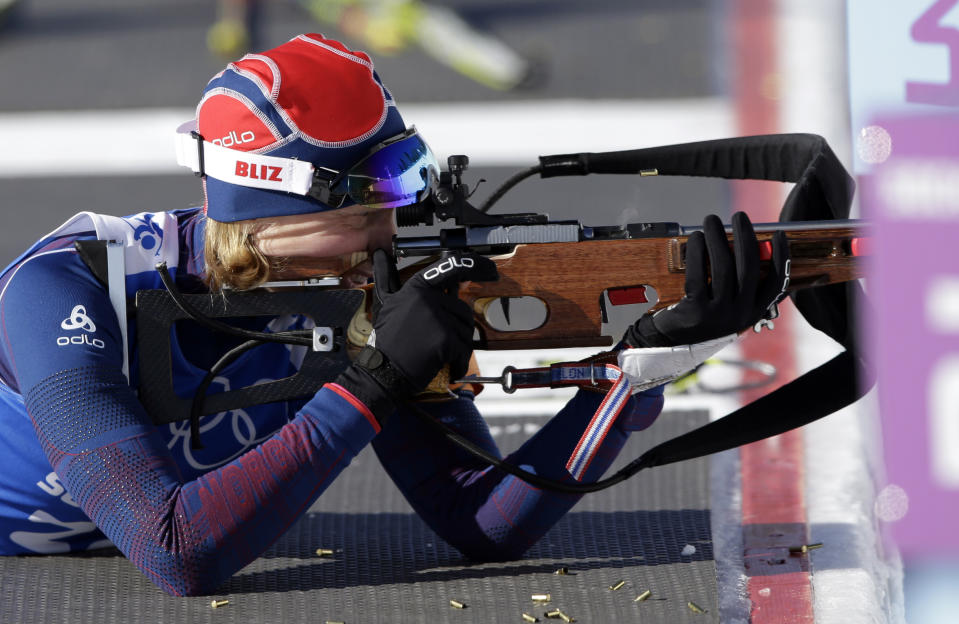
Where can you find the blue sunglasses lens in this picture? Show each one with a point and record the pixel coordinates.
(397, 174)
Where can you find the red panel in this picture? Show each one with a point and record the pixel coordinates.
(627, 295)
(773, 502)
(778, 602)
(228, 122)
(340, 114)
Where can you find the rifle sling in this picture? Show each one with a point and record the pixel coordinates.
(823, 190)
(836, 384)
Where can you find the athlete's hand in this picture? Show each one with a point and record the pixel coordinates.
(424, 325)
(417, 329)
(733, 300)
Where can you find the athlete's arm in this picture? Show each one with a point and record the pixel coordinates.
(187, 537)
(489, 515)
(483, 512)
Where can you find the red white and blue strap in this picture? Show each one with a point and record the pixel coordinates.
(602, 420)
(597, 373)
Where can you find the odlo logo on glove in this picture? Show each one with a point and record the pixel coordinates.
(448, 265)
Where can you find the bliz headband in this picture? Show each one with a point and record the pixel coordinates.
(397, 172)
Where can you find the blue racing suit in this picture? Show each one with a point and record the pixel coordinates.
(82, 466)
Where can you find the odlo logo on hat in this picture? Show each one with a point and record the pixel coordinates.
(232, 139)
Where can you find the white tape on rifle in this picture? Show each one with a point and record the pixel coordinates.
(647, 368)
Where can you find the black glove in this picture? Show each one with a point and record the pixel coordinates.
(417, 329)
(733, 300)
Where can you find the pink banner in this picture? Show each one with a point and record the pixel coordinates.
(912, 199)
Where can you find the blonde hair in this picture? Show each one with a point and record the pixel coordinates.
(232, 259)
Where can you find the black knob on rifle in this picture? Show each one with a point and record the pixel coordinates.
(458, 163)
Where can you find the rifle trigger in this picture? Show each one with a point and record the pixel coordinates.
(504, 304)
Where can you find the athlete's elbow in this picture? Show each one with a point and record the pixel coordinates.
(188, 580)
(193, 571)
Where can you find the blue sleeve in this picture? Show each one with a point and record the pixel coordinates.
(186, 536)
(484, 513)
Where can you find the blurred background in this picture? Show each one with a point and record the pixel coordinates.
(91, 92)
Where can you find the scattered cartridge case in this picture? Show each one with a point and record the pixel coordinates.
(334, 622)
(541, 597)
(216, 604)
(324, 552)
(643, 596)
(617, 585)
(804, 548)
(565, 617)
(456, 604)
(695, 608)
(554, 614)
(529, 618)
(562, 571)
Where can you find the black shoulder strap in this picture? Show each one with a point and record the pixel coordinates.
(94, 255)
(823, 190)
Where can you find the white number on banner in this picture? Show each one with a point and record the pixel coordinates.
(942, 316)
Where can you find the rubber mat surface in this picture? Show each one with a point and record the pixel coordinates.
(652, 532)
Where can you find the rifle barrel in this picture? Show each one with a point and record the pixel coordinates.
(792, 226)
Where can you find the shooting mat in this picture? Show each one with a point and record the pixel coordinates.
(389, 567)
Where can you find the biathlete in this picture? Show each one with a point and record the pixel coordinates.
(82, 466)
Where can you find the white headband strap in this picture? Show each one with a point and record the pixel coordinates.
(242, 168)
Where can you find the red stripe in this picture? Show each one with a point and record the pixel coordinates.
(609, 425)
(773, 501)
(596, 416)
(355, 402)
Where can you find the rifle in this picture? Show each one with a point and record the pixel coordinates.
(544, 260)
(635, 263)
(630, 261)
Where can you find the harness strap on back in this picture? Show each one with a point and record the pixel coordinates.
(106, 262)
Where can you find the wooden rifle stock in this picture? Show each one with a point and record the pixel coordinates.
(570, 278)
